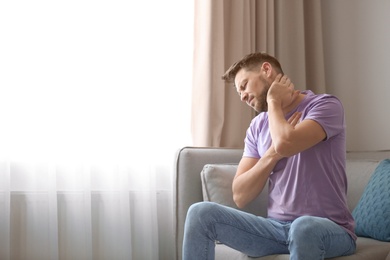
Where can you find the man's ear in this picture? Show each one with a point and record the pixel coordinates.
(266, 68)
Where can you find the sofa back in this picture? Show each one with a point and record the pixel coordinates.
(358, 172)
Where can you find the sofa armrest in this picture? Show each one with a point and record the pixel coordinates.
(187, 187)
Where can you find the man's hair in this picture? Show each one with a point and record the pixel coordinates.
(250, 62)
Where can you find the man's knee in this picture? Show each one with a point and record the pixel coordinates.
(201, 212)
(200, 209)
(304, 228)
(201, 218)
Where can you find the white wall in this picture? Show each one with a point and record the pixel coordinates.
(357, 64)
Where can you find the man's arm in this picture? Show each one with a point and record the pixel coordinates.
(287, 139)
(252, 173)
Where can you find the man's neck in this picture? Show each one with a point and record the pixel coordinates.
(294, 104)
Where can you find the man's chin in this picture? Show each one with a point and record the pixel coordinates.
(261, 109)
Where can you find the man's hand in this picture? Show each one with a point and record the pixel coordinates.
(294, 119)
(282, 91)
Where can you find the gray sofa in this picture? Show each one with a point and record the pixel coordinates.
(197, 177)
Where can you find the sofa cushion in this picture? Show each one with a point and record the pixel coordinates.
(217, 182)
(372, 213)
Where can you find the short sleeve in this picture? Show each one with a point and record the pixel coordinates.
(256, 132)
(329, 113)
(250, 148)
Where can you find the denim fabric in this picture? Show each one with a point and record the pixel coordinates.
(306, 237)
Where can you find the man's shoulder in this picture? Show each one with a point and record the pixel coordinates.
(260, 118)
(311, 97)
(323, 100)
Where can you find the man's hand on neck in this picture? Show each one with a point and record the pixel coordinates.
(282, 94)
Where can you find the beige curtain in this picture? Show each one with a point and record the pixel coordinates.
(225, 31)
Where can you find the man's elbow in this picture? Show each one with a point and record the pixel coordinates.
(239, 201)
(283, 149)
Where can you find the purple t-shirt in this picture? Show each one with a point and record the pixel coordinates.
(312, 182)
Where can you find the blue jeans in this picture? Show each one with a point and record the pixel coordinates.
(306, 238)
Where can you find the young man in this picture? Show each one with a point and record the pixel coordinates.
(297, 144)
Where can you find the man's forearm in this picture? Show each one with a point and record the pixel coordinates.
(280, 129)
(248, 185)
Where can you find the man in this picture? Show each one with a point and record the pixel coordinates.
(297, 144)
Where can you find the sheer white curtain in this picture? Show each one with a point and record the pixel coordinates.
(94, 102)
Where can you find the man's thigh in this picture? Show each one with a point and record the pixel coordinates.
(253, 235)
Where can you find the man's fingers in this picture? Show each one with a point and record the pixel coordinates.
(295, 93)
(294, 119)
(278, 78)
(286, 80)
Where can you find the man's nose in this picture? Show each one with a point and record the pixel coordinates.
(244, 96)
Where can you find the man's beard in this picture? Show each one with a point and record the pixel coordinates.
(261, 104)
